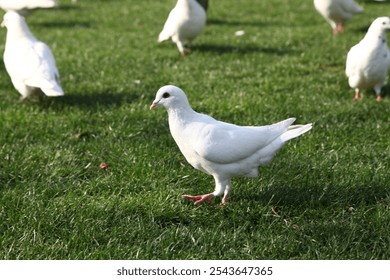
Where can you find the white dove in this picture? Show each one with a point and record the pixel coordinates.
(29, 62)
(221, 149)
(368, 62)
(184, 23)
(21, 6)
(337, 12)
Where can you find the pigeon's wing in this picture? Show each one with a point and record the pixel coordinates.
(45, 76)
(388, 59)
(350, 7)
(385, 56)
(42, 65)
(21, 60)
(351, 65)
(170, 26)
(221, 142)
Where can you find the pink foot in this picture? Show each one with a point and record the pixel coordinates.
(357, 95)
(224, 200)
(378, 98)
(199, 199)
(339, 28)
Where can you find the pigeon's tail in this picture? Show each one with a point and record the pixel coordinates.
(358, 9)
(290, 131)
(53, 91)
(294, 131)
(163, 36)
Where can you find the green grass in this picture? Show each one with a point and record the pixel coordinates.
(325, 196)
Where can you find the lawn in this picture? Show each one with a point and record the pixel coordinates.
(325, 196)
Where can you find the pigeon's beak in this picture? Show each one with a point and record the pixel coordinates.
(154, 105)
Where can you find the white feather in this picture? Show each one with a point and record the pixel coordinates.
(29, 62)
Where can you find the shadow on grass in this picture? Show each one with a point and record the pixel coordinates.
(361, 29)
(235, 23)
(221, 49)
(317, 196)
(385, 93)
(85, 101)
(68, 24)
(68, 7)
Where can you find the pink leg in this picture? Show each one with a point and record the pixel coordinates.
(378, 98)
(339, 28)
(199, 199)
(224, 200)
(357, 94)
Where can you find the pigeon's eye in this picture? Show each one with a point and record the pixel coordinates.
(384, 22)
(166, 95)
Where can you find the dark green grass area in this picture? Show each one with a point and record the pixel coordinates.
(325, 196)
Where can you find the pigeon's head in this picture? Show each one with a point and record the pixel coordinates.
(381, 24)
(11, 19)
(170, 97)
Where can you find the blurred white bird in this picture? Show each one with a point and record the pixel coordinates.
(21, 6)
(29, 62)
(221, 149)
(184, 23)
(368, 62)
(337, 12)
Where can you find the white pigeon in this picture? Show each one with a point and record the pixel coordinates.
(221, 149)
(184, 23)
(368, 62)
(337, 12)
(29, 62)
(21, 6)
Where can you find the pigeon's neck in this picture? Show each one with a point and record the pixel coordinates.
(185, 4)
(182, 111)
(19, 31)
(376, 35)
(180, 115)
